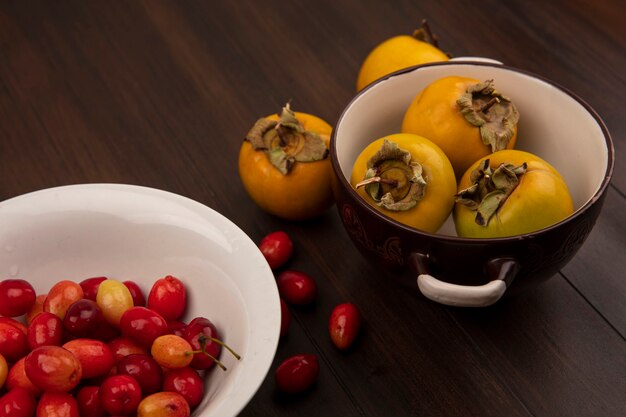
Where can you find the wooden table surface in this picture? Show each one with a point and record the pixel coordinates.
(161, 93)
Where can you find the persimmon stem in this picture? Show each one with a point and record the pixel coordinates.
(489, 104)
(434, 41)
(381, 180)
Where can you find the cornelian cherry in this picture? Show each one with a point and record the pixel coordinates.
(344, 325)
(168, 297)
(297, 373)
(53, 368)
(171, 351)
(17, 297)
(57, 404)
(45, 329)
(83, 318)
(95, 356)
(187, 382)
(203, 337)
(88, 402)
(199, 333)
(144, 369)
(143, 325)
(13, 342)
(120, 394)
(277, 248)
(296, 287)
(18, 402)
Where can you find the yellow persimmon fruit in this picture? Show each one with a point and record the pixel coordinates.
(284, 165)
(466, 118)
(400, 52)
(407, 178)
(510, 193)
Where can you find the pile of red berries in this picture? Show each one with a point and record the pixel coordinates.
(298, 372)
(99, 348)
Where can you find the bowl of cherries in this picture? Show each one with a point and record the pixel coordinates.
(118, 300)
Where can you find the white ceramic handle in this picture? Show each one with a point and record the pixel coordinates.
(461, 295)
(500, 272)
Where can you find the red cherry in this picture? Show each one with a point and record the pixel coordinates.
(199, 331)
(57, 404)
(120, 394)
(344, 325)
(88, 402)
(18, 402)
(95, 356)
(90, 287)
(143, 325)
(17, 297)
(139, 300)
(168, 297)
(144, 369)
(61, 296)
(277, 248)
(170, 404)
(297, 373)
(296, 287)
(83, 318)
(53, 368)
(187, 382)
(285, 317)
(13, 342)
(45, 329)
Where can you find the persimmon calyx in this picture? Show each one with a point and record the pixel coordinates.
(286, 142)
(490, 189)
(494, 114)
(394, 180)
(424, 34)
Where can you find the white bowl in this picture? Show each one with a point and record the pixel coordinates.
(142, 234)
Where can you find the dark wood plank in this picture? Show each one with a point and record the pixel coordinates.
(160, 93)
(537, 354)
(597, 271)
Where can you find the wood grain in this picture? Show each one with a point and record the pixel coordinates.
(160, 93)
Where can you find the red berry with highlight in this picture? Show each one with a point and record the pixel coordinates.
(297, 373)
(277, 248)
(296, 287)
(168, 297)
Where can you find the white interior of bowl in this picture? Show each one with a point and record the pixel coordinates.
(142, 234)
(553, 125)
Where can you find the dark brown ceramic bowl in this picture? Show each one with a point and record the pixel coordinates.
(554, 124)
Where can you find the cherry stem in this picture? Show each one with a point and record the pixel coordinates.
(393, 183)
(489, 104)
(219, 342)
(220, 364)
